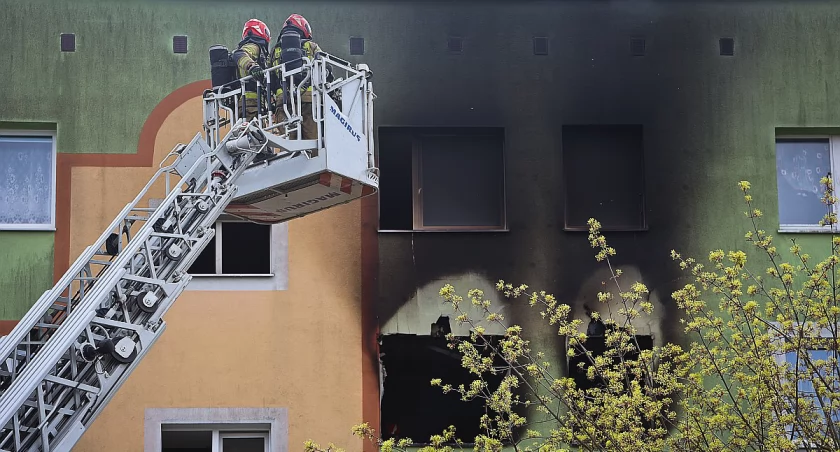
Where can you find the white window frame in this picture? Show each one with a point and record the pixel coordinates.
(51, 134)
(277, 279)
(271, 423)
(218, 243)
(782, 360)
(834, 155)
(220, 435)
(220, 431)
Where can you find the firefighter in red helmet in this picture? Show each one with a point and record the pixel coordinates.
(296, 23)
(250, 57)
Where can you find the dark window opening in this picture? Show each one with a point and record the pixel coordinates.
(540, 45)
(179, 44)
(596, 344)
(441, 179)
(186, 441)
(357, 46)
(205, 263)
(604, 176)
(411, 406)
(245, 250)
(68, 42)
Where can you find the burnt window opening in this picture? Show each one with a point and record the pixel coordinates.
(237, 248)
(179, 44)
(411, 406)
(68, 42)
(357, 46)
(604, 176)
(441, 179)
(596, 344)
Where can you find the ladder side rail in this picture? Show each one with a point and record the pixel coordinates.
(48, 301)
(112, 383)
(22, 388)
(110, 389)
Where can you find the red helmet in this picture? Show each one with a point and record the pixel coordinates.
(257, 28)
(298, 21)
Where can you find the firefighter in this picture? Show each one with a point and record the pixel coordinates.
(250, 58)
(299, 24)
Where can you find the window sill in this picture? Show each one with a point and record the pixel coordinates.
(232, 275)
(805, 229)
(604, 229)
(28, 228)
(442, 230)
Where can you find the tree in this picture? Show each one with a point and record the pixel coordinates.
(760, 371)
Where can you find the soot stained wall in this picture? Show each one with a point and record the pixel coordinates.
(707, 121)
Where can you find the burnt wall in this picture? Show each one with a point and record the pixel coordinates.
(707, 110)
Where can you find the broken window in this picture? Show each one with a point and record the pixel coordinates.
(238, 248)
(604, 176)
(596, 345)
(441, 179)
(411, 406)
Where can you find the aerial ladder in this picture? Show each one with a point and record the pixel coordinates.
(82, 339)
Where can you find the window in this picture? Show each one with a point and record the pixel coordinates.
(411, 407)
(801, 161)
(806, 370)
(184, 439)
(441, 179)
(239, 248)
(604, 176)
(215, 429)
(27, 182)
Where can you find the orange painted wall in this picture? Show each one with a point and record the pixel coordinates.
(297, 348)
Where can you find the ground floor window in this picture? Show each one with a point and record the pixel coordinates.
(411, 406)
(197, 439)
(216, 429)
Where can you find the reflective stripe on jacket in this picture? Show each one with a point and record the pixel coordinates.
(310, 47)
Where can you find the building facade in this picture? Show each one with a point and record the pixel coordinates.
(501, 128)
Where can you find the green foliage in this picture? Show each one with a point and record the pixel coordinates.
(730, 389)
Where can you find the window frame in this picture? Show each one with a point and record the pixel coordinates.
(220, 435)
(834, 155)
(220, 431)
(416, 135)
(272, 421)
(41, 133)
(218, 244)
(644, 225)
(781, 359)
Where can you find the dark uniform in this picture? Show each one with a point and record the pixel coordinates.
(250, 58)
(307, 125)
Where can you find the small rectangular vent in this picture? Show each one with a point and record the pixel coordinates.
(68, 42)
(179, 44)
(540, 45)
(357, 46)
(727, 46)
(455, 44)
(637, 46)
